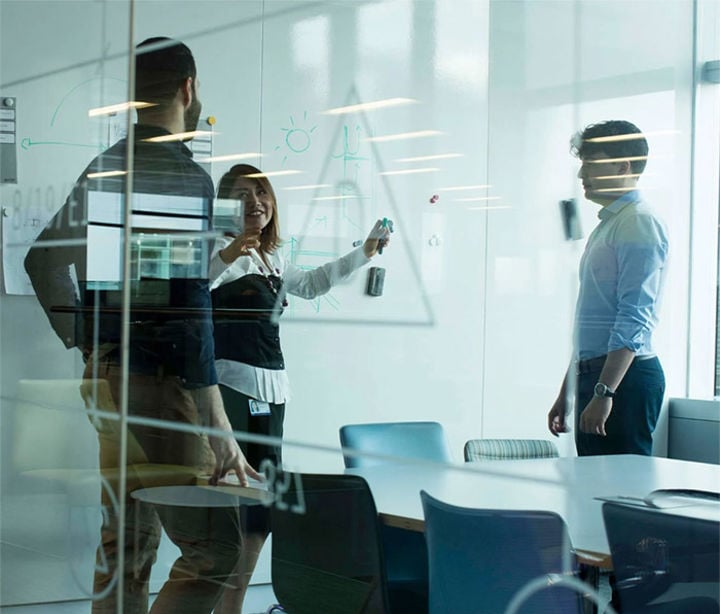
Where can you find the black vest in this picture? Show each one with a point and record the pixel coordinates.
(241, 317)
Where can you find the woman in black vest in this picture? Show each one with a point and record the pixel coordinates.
(248, 274)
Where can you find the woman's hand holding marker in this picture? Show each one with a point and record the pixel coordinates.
(379, 237)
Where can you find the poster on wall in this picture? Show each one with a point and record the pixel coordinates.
(21, 224)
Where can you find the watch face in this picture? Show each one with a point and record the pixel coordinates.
(601, 390)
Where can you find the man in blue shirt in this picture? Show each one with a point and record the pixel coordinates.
(167, 377)
(619, 381)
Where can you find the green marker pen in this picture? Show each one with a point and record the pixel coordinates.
(380, 245)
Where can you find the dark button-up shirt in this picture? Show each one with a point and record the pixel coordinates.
(76, 264)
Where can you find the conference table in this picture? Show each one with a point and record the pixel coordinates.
(573, 487)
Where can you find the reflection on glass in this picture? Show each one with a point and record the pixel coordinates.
(505, 83)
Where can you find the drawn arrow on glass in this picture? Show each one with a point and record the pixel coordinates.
(27, 143)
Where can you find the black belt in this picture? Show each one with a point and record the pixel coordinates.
(596, 364)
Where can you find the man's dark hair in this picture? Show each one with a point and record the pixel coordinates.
(161, 67)
(590, 142)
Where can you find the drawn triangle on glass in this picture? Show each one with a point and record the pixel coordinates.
(334, 218)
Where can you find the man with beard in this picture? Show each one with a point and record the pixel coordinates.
(76, 268)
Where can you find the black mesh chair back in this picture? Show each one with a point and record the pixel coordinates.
(663, 561)
(326, 547)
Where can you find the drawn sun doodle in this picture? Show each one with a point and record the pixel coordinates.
(297, 138)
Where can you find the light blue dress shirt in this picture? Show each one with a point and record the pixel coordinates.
(622, 273)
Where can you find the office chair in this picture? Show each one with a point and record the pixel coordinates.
(506, 449)
(664, 563)
(405, 551)
(403, 440)
(483, 450)
(479, 559)
(327, 553)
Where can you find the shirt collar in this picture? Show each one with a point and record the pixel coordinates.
(147, 131)
(633, 196)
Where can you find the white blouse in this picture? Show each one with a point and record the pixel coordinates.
(272, 385)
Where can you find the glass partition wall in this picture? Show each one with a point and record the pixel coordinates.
(390, 185)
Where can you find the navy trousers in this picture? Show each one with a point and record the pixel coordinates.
(635, 410)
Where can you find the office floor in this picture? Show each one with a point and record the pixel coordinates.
(259, 598)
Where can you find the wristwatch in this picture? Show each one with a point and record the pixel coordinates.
(601, 390)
